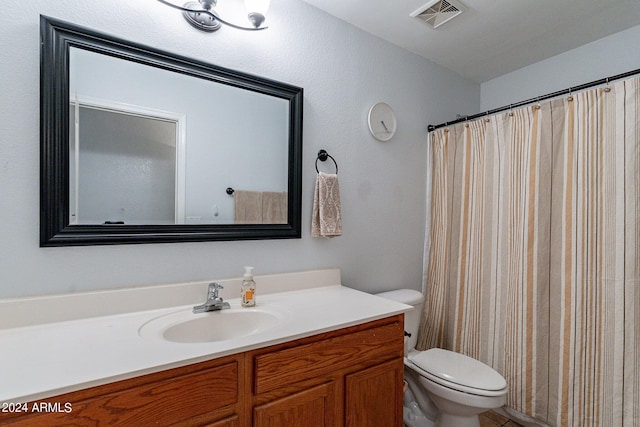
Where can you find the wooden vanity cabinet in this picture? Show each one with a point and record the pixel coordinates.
(352, 377)
(206, 393)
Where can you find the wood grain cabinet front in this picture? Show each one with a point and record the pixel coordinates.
(371, 395)
(198, 394)
(351, 377)
(313, 407)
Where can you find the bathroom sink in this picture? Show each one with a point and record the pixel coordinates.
(186, 327)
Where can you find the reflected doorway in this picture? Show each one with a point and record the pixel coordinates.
(133, 156)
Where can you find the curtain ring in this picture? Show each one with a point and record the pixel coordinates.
(510, 110)
(570, 97)
(607, 89)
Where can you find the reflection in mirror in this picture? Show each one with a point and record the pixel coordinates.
(142, 145)
(234, 138)
(122, 167)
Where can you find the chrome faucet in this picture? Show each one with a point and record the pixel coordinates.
(213, 302)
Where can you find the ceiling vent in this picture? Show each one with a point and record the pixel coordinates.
(438, 12)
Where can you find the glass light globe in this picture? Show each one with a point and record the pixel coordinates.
(257, 11)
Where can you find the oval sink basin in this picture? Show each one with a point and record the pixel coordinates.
(186, 327)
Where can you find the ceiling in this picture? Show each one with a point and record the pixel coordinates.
(492, 37)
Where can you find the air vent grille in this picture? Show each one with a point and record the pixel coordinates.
(436, 13)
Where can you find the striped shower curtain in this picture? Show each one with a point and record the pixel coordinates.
(534, 254)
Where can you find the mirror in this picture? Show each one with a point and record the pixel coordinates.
(142, 146)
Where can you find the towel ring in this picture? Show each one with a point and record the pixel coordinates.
(323, 156)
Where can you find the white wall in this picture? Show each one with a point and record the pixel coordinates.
(602, 58)
(343, 71)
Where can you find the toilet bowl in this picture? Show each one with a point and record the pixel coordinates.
(459, 386)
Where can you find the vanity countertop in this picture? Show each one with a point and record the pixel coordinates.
(46, 359)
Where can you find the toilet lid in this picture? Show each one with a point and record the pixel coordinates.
(458, 369)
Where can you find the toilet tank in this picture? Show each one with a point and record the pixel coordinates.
(411, 318)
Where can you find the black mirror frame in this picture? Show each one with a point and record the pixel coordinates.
(57, 37)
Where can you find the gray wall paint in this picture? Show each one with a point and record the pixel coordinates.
(608, 56)
(343, 71)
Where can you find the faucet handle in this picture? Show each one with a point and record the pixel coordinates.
(213, 289)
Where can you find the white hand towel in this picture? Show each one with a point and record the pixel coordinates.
(326, 220)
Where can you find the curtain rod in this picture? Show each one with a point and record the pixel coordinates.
(569, 90)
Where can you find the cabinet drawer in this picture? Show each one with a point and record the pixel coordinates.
(284, 367)
(163, 402)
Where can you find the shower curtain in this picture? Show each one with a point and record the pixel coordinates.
(533, 264)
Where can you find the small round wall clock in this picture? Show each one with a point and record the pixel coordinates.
(382, 122)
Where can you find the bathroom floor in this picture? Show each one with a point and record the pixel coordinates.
(493, 419)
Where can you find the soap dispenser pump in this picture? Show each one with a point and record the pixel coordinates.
(248, 288)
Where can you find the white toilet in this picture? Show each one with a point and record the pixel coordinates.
(459, 386)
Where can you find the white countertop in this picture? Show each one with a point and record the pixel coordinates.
(46, 359)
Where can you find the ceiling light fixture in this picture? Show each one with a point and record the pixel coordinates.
(201, 14)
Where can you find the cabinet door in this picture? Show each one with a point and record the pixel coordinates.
(227, 422)
(373, 396)
(315, 407)
(191, 395)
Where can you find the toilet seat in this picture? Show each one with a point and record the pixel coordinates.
(458, 372)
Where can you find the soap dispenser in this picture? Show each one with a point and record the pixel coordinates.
(248, 288)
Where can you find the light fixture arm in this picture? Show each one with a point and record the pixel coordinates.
(213, 15)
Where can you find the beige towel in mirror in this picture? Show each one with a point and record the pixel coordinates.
(274, 207)
(248, 207)
(326, 220)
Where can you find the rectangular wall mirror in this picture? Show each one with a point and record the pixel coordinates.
(140, 146)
